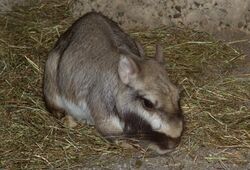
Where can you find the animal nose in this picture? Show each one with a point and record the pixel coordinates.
(173, 127)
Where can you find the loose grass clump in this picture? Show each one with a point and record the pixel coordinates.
(215, 102)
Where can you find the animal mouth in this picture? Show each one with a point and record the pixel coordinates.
(162, 143)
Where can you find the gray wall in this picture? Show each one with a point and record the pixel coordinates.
(203, 14)
(209, 15)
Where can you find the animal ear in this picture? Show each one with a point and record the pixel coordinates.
(127, 69)
(159, 53)
(140, 49)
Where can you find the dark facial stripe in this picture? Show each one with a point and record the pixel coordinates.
(136, 127)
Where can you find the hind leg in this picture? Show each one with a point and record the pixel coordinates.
(54, 108)
(69, 121)
(60, 113)
(50, 88)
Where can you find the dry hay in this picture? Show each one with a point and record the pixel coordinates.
(215, 102)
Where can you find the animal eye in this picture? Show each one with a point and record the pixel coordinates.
(147, 104)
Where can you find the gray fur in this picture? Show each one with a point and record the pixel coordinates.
(86, 78)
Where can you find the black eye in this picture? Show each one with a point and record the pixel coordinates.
(147, 104)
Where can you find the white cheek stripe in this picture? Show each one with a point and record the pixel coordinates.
(154, 120)
(158, 125)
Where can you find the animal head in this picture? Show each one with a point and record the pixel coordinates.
(150, 94)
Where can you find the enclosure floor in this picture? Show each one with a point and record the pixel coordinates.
(238, 40)
(30, 138)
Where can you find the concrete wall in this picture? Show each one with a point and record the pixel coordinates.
(203, 14)
(209, 15)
